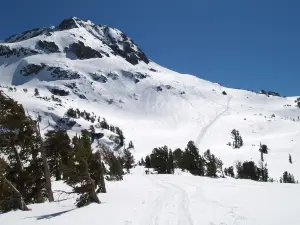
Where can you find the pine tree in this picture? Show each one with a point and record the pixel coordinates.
(148, 162)
(229, 171)
(219, 163)
(114, 163)
(142, 162)
(211, 164)
(178, 158)
(159, 159)
(287, 178)
(170, 168)
(247, 170)
(96, 168)
(192, 161)
(290, 159)
(58, 150)
(263, 150)
(128, 159)
(36, 92)
(263, 172)
(237, 139)
(78, 174)
(21, 144)
(104, 124)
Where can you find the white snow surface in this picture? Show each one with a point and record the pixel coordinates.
(171, 199)
(184, 108)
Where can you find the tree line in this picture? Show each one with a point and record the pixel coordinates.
(164, 161)
(28, 161)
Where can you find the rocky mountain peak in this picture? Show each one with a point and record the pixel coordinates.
(119, 43)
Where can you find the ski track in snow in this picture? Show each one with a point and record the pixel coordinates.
(171, 207)
(207, 126)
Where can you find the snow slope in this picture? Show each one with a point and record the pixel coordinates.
(172, 199)
(153, 105)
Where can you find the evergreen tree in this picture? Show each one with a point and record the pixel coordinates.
(290, 159)
(142, 162)
(247, 170)
(178, 158)
(148, 162)
(21, 145)
(130, 145)
(36, 92)
(128, 159)
(170, 163)
(96, 168)
(263, 150)
(104, 124)
(114, 163)
(211, 164)
(78, 174)
(72, 113)
(121, 136)
(92, 129)
(219, 163)
(159, 159)
(192, 161)
(263, 172)
(237, 139)
(58, 150)
(229, 171)
(287, 178)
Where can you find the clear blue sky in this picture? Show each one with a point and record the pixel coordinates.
(249, 44)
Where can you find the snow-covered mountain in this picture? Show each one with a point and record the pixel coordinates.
(102, 71)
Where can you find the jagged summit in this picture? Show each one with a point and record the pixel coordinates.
(113, 39)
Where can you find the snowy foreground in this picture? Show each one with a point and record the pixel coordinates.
(172, 199)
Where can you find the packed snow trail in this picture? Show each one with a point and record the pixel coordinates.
(172, 206)
(179, 199)
(210, 123)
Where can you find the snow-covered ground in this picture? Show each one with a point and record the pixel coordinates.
(172, 199)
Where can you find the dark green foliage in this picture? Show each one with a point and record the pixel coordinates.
(141, 162)
(97, 169)
(77, 172)
(128, 159)
(148, 162)
(247, 170)
(121, 136)
(192, 161)
(211, 164)
(72, 113)
(237, 139)
(170, 164)
(287, 178)
(36, 92)
(114, 163)
(229, 171)
(162, 160)
(104, 124)
(263, 172)
(58, 150)
(290, 159)
(263, 150)
(178, 158)
(20, 145)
